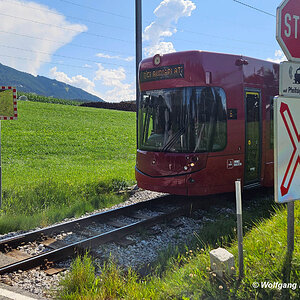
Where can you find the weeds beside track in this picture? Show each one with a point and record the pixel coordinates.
(187, 275)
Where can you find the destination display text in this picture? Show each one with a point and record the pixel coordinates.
(161, 73)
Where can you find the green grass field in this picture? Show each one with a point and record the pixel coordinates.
(59, 161)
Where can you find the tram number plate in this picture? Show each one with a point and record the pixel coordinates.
(231, 163)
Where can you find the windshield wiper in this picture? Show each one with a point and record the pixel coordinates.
(174, 139)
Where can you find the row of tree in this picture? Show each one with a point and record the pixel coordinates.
(126, 106)
(45, 99)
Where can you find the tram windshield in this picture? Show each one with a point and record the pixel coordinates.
(189, 119)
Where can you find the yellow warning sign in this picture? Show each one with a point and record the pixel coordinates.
(8, 103)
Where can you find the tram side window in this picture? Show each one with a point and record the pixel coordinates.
(201, 116)
(209, 120)
(147, 120)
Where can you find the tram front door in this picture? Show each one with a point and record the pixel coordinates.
(253, 137)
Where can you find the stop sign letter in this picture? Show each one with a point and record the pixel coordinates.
(288, 28)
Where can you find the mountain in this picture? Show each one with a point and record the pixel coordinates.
(25, 82)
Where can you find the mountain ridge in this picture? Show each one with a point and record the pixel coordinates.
(44, 86)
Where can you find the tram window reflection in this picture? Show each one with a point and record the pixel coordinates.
(192, 119)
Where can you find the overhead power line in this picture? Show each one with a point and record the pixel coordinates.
(69, 29)
(66, 16)
(109, 37)
(255, 8)
(69, 44)
(217, 45)
(96, 9)
(169, 27)
(215, 36)
(64, 56)
(49, 62)
(44, 61)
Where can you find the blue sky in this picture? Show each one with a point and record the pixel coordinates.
(91, 44)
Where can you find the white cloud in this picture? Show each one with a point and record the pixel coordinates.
(114, 79)
(161, 48)
(102, 55)
(110, 77)
(77, 81)
(279, 57)
(109, 81)
(30, 60)
(168, 12)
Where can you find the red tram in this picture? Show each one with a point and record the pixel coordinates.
(205, 120)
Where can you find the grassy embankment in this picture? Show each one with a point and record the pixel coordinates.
(188, 275)
(60, 160)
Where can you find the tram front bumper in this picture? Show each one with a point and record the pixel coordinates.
(175, 185)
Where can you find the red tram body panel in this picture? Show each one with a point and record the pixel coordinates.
(205, 120)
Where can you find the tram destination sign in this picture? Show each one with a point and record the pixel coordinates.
(289, 76)
(286, 149)
(161, 73)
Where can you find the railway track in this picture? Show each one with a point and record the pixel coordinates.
(71, 238)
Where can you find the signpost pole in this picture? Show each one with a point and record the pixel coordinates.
(290, 227)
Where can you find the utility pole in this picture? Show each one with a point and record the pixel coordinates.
(138, 54)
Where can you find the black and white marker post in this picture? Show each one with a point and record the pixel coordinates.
(238, 196)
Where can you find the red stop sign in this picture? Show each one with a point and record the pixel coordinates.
(288, 28)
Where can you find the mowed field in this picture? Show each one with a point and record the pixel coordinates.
(60, 160)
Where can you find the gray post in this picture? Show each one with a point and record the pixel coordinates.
(238, 195)
(0, 170)
(290, 227)
(138, 54)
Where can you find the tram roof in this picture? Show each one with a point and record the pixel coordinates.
(224, 69)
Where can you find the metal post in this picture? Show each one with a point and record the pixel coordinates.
(238, 195)
(0, 170)
(138, 53)
(290, 227)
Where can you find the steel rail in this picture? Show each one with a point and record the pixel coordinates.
(89, 243)
(40, 234)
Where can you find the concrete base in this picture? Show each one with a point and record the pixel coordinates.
(222, 262)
